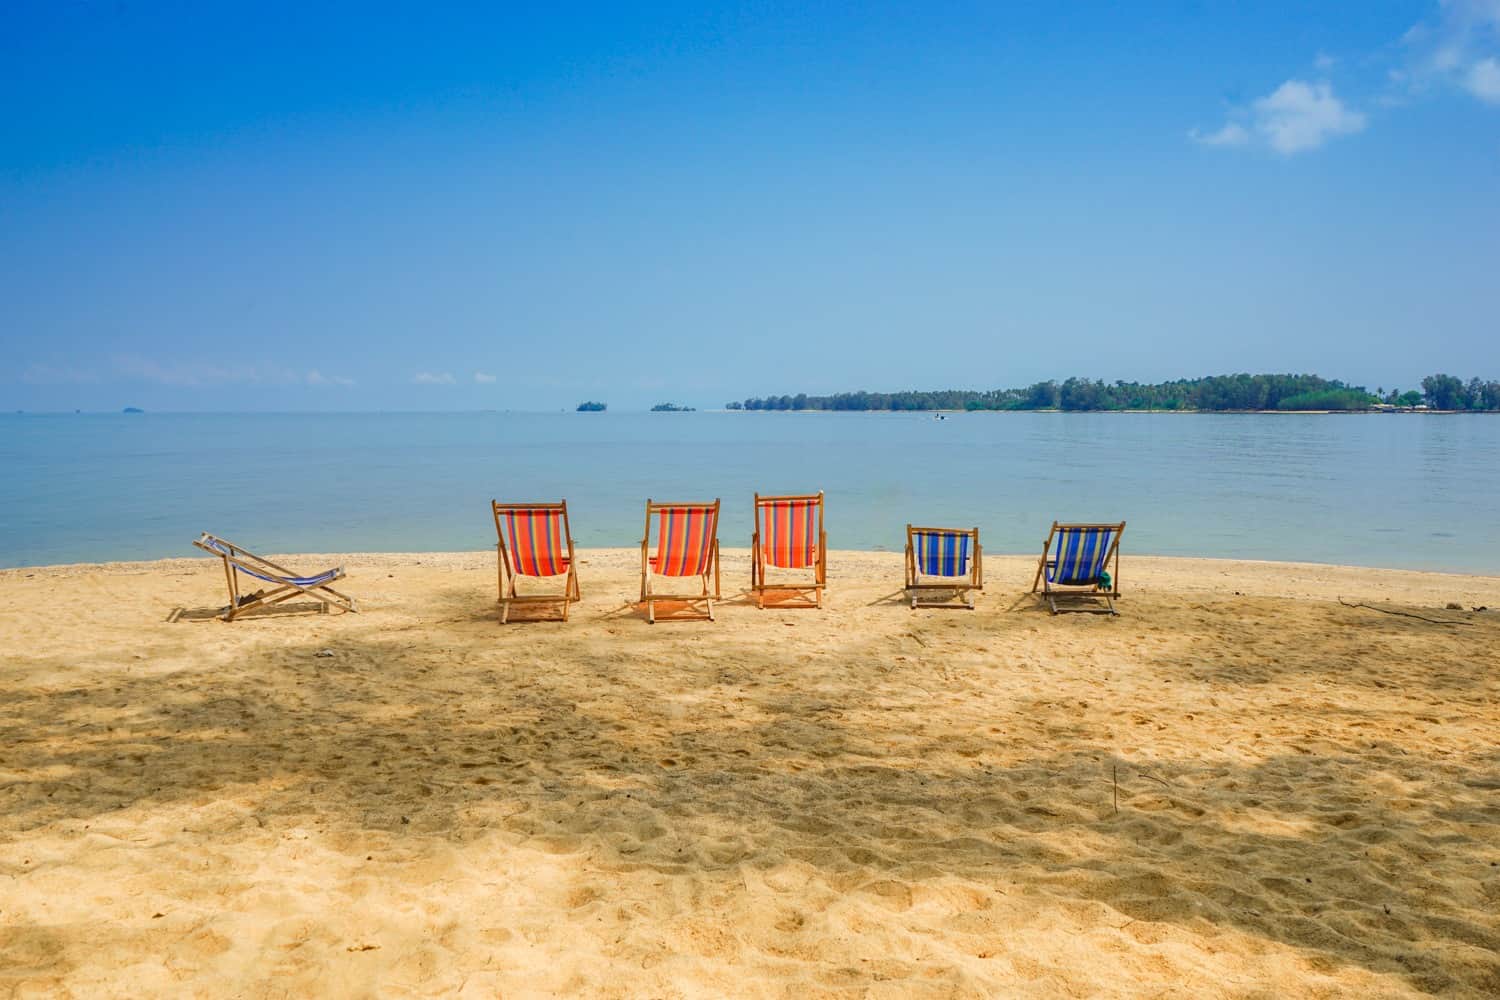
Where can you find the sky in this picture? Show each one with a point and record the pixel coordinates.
(427, 207)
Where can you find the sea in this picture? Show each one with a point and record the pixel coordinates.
(1419, 491)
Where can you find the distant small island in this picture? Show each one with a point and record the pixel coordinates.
(592, 407)
(671, 408)
(132, 409)
(1215, 393)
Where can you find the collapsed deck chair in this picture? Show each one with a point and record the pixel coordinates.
(945, 562)
(790, 537)
(284, 583)
(534, 542)
(1080, 566)
(687, 548)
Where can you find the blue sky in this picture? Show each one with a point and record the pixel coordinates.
(368, 207)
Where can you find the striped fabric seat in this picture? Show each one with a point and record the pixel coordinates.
(285, 585)
(941, 553)
(1081, 554)
(791, 534)
(538, 546)
(685, 540)
(224, 549)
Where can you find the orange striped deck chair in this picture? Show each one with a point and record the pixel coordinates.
(534, 542)
(789, 535)
(687, 548)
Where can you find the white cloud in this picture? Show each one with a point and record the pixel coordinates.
(1232, 134)
(1324, 62)
(316, 377)
(433, 378)
(1484, 80)
(1294, 118)
(483, 378)
(1299, 116)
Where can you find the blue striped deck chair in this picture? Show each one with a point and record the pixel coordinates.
(945, 562)
(1084, 564)
(285, 584)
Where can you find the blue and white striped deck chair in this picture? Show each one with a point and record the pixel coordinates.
(1084, 564)
(285, 583)
(946, 561)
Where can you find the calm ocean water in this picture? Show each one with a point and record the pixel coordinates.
(1409, 491)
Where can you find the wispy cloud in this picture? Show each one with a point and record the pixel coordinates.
(196, 373)
(483, 378)
(201, 373)
(433, 378)
(1232, 134)
(1458, 46)
(1483, 80)
(1296, 117)
(55, 375)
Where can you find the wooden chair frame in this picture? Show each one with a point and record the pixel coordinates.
(1060, 592)
(700, 605)
(959, 587)
(508, 576)
(758, 584)
(284, 585)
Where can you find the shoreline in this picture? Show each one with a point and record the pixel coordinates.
(1005, 573)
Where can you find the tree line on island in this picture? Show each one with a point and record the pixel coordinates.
(1214, 393)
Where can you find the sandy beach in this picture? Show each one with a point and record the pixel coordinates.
(1238, 788)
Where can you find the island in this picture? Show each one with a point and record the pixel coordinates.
(671, 408)
(592, 407)
(1241, 393)
(132, 409)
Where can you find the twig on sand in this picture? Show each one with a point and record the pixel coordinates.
(917, 637)
(1115, 774)
(1147, 774)
(1403, 614)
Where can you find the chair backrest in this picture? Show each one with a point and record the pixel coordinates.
(793, 525)
(1082, 550)
(536, 537)
(942, 551)
(685, 537)
(259, 567)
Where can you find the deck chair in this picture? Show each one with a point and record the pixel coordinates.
(534, 542)
(687, 548)
(1080, 566)
(285, 584)
(789, 535)
(943, 561)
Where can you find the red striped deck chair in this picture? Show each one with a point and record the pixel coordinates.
(534, 542)
(789, 535)
(687, 548)
(1079, 567)
(945, 563)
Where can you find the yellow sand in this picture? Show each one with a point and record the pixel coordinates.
(863, 801)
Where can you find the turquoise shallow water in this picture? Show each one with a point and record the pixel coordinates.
(1409, 491)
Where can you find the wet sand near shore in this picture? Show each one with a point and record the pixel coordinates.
(1240, 787)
